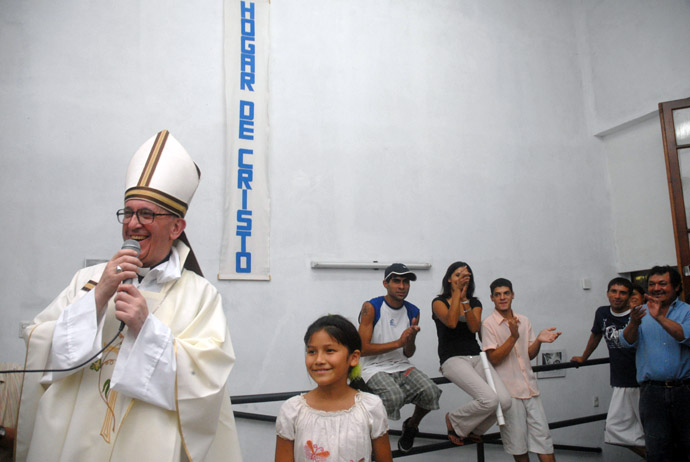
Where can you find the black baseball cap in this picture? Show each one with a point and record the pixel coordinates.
(399, 269)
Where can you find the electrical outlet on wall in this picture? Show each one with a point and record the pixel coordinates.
(595, 401)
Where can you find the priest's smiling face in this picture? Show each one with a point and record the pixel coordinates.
(155, 238)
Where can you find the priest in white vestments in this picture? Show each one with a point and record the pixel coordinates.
(158, 393)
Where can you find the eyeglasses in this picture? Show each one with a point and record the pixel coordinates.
(144, 216)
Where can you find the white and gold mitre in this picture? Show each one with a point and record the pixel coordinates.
(162, 172)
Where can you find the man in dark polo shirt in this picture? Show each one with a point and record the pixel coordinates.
(623, 425)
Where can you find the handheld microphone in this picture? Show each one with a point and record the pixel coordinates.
(130, 244)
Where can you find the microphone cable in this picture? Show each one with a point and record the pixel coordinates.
(18, 371)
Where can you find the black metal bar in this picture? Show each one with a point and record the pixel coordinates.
(492, 438)
(424, 449)
(264, 398)
(565, 447)
(489, 438)
(480, 452)
(426, 436)
(253, 416)
(570, 364)
(577, 421)
(268, 397)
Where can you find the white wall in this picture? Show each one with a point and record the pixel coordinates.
(433, 131)
(82, 86)
(637, 57)
(415, 131)
(639, 192)
(633, 58)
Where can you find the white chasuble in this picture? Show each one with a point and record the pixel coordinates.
(80, 418)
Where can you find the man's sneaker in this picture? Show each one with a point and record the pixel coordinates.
(407, 438)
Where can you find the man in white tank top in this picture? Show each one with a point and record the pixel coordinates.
(388, 327)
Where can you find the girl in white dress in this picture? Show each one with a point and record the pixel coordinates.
(333, 422)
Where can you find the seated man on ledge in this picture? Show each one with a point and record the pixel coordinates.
(388, 327)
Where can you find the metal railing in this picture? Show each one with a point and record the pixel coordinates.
(491, 438)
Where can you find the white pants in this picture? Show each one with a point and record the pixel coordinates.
(478, 415)
(526, 428)
(623, 424)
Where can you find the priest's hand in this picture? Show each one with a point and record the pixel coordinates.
(131, 307)
(122, 266)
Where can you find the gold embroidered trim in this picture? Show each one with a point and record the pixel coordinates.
(154, 157)
(26, 364)
(108, 396)
(177, 412)
(89, 285)
(164, 200)
(124, 417)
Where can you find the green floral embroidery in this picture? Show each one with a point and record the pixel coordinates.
(96, 366)
(106, 387)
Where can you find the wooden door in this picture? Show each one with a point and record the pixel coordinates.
(675, 130)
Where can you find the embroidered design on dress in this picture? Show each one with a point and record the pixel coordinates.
(314, 452)
(108, 396)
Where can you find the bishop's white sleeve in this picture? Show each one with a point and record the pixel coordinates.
(146, 366)
(77, 336)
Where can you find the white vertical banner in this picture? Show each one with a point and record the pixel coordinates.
(246, 238)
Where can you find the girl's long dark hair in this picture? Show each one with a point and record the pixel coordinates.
(345, 333)
(338, 327)
(446, 289)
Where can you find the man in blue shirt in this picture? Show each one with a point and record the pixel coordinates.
(662, 340)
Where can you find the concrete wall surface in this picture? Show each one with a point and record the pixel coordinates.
(407, 131)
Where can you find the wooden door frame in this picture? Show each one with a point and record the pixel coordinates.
(675, 188)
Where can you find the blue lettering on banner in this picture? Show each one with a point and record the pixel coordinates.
(247, 48)
(246, 120)
(245, 166)
(240, 158)
(244, 199)
(245, 175)
(244, 178)
(244, 217)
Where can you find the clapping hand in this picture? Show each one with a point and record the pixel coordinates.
(513, 325)
(408, 336)
(637, 313)
(460, 285)
(548, 335)
(653, 306)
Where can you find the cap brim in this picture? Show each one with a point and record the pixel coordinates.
(413, 277)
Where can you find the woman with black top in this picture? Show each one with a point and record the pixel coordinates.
(458, 317)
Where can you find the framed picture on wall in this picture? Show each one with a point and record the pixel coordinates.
(547, 357)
